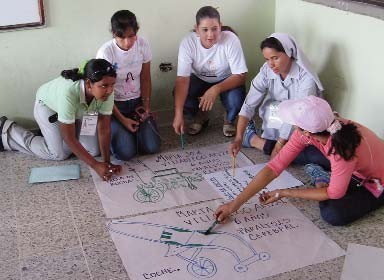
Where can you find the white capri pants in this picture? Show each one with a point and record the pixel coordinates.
(49, 146)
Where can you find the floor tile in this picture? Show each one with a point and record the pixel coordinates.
(85, 201)
(104, 261)
(91, 228)
(65, 265)
(7, 209)
(37, 203)
(49, 235)
(8, 244)
(10, 270)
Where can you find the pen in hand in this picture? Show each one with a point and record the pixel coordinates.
(233, 165)
(208, 231)
(182, 140)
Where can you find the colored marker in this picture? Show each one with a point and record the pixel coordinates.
(233, 165)
(182, 140)
(208, 231)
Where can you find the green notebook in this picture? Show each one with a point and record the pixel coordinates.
(54, 173)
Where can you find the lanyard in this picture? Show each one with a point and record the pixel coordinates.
(95, 112)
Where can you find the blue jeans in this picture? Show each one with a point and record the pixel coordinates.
(232, 99)
(126, 144)
(357, 202)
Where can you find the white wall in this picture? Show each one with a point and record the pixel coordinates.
(76, 29)
(347, 51)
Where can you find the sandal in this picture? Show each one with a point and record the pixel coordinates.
(249, 133)
(196, 127)
(229, 130)
(2, 122)
(200, 122)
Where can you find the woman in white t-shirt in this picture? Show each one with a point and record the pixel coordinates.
(133, 129)
(211, 63)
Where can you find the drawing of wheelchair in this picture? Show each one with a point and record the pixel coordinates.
(166, 179)
(188, 244)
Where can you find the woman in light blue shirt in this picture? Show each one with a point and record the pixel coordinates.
(286, 74)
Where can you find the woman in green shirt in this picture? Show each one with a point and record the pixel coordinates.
(73, 112)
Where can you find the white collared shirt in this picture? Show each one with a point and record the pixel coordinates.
(67, 98)
(268, 87)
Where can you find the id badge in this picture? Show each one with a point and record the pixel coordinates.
(89, 125)
(375, 187)
(273, 121)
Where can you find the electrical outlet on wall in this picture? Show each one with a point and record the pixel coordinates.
(165, 66)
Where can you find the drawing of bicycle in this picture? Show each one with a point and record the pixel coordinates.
(166, 179)
(188, 244)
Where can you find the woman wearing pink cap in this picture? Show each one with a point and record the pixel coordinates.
(356, 155)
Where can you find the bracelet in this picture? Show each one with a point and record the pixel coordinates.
(280, 143)
(277, 195)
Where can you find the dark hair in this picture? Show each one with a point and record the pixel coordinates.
(94, 70)
(345, 141)
(228, 28)
(272, 43)
(207, 12)
(121, 21)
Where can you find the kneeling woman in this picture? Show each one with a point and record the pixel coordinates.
(60, 105)
(356, 155)
(286, 75)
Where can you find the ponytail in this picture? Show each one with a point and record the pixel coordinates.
(72, 74)
(345, 141)
(93, 70)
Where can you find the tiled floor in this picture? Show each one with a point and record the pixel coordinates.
(57, 230)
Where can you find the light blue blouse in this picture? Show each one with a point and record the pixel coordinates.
(268, 87)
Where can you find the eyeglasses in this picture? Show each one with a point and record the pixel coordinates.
(99, 73)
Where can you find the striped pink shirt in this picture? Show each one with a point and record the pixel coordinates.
(367, 164)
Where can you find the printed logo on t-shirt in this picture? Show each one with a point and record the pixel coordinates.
(134, 62)
(129, 85)
(209, 70)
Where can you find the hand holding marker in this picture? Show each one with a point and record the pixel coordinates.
(182, 140)
(233, 165)
(208, 231)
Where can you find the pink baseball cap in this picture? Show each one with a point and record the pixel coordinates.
(310, 113)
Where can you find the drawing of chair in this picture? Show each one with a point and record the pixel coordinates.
(188, 244)
(166, 179)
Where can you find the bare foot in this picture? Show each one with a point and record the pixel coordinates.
(257, 142)
(321, 185)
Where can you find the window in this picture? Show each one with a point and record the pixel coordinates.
(20, 14)
(373, 8)
(371, 2)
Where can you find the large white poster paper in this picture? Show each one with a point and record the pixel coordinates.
(363, 262)
(260, 241)
(230, 186)
(163, 180)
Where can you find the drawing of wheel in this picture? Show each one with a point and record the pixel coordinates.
(264, 256)
(148, 195)
(202, 268)
(241, 268)
(162, 187)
